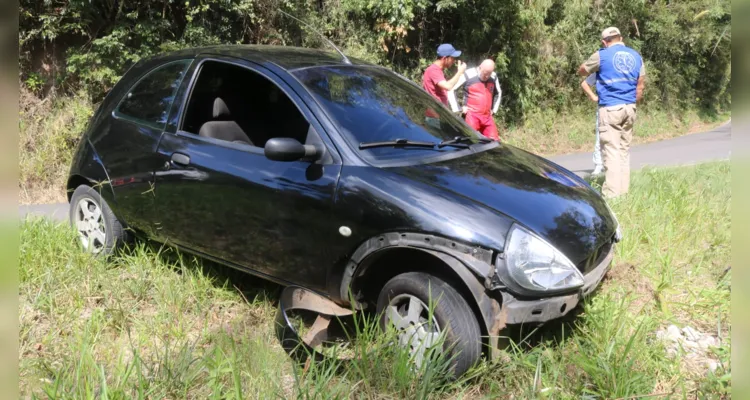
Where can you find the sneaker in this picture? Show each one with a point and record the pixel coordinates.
(597, 170)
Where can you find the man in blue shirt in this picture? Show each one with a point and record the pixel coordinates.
(620, 79)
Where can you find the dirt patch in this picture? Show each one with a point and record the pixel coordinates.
(42, 194)
(628, 276)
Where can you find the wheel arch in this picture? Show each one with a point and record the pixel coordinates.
(465, 267)
(74, 181)
(87, 169)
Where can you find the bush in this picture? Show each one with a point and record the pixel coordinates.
(50, 129)
(537, 45)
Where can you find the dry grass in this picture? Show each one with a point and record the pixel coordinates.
(50, 128)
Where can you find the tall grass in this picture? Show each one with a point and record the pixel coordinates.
(152, 323)
(49, 129)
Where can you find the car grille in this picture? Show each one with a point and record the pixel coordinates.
(596, 257)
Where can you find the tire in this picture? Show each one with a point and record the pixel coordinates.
(452, 313)
(96, 224)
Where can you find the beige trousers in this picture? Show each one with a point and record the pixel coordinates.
(615, 134)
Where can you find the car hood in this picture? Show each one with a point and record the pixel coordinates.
(544, 197)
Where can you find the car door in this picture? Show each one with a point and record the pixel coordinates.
(127, 139)
(228, 201)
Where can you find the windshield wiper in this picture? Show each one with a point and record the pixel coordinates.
(396, 143)
(460, 141)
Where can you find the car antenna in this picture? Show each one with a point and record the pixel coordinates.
(344, 58)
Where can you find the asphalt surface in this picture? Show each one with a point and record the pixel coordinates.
(685, 150)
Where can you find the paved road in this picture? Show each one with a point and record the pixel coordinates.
(684, 150)
(689, 149)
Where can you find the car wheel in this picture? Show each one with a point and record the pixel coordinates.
(403, 303)
(99, 231)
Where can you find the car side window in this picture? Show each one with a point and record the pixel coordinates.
(149, 101)
(232, 103)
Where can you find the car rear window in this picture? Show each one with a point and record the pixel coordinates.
(148, 101)
(372, 104)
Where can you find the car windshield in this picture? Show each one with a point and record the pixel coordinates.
(372, 104)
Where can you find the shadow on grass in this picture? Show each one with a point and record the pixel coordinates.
(250, 287)
(357, 331)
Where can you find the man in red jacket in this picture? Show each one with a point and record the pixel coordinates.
(481, 98)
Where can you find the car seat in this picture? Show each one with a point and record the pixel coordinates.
(223, 127)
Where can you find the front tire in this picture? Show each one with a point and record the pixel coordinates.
(403, 302)
(99, 230)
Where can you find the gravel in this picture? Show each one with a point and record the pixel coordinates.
(695, 346)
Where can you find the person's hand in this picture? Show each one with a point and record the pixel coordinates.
(461, 66)
(595, 99)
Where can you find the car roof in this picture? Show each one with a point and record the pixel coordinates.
(286, 57)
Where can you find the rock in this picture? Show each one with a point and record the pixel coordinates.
(690, 345)
(707, 342)
(673, 333)
(691, 334)
(713, 365)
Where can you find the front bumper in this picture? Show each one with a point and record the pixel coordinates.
(542, 310)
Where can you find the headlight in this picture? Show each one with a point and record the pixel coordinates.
(535, 265)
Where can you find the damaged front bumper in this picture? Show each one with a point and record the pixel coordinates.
(542, 310)
(302, 348)
(498, 309)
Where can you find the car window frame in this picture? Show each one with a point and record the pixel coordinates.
(117, 114)
(367, 158)
(184, 96)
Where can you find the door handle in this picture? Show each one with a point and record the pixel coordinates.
(180, 159)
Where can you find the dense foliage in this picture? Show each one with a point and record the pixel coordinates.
(71, 45)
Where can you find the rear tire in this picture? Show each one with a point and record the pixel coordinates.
(451, 313)
(99, 230)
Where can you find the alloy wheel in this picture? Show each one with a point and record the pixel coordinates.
(411, 318)
(89, 221)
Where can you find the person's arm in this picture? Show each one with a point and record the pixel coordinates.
(450, 83)
(465, 108)
(452, 94)
(498, 94)
(590, 93)
(589, 66)
(641, 85)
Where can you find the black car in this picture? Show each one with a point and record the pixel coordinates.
(339, 177)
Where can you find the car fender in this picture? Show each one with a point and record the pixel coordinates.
(472, 264)
(87, 168)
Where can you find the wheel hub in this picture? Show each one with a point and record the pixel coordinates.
(416, 332)
(89, 222)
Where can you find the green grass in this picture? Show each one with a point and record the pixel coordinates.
(154, 324)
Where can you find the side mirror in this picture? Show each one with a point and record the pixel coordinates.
(288, 149)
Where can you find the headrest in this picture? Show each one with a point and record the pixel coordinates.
(220, 109)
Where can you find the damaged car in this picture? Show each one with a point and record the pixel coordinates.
(344, 182)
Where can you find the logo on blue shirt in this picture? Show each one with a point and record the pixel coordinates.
(624, 62)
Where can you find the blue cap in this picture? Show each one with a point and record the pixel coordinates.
(447, 50)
